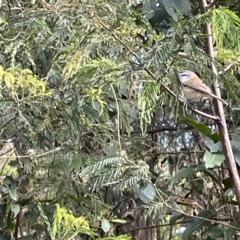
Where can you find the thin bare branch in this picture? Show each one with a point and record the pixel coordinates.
(202, 218)
(6, 123)
(35, 156)
(156, 226)
(228, 67)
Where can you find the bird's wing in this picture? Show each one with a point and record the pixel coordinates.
(203, 89)
(200, 87)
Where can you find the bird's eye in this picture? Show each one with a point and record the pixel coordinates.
(183, 75)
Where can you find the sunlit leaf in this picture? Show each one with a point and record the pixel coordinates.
(105, 225)
(213, 159)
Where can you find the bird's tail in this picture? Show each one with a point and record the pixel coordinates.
(216, 97)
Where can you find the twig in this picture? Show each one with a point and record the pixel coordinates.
(27, 156)
(13, 118)
(124, 200)
(163, 129)
(118, 118)
(12, 39)
(202, 218)
(228, 67)
(197, 217)
(167, 153)
(155, 226)
(8, 159)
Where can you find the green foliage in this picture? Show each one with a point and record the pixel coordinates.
(183, 6)
(197, 223)
(88, 123)
(212, 160)
(183, 173)
(22, 82)
(225, 26)
(66, 226)
(203, 129)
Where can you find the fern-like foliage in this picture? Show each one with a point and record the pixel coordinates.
(225, 25)
(66, 226)
(23, 82)
(97, 92)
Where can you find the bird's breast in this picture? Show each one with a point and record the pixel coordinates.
(194, 95)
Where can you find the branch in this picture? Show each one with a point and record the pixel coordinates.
(156, 226)
(222, 126)
(228, 67)
(11, 119)
(168, 90)
(27, 156)
(163, 129)
(167, 153)
(202, 218)
(212, 4)
(12, 39)
(124, 200)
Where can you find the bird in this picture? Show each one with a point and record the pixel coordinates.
(194, 89)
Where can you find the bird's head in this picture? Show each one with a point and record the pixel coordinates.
(186, 75)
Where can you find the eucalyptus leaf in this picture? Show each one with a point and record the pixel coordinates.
(15, 209)
(230, 233)
(105, 224)
(216, 232)
(183, 173)
(147, 194)
(229, 193)
(236, 153)
(3, 208)
(213, 159)
(183, 6)
(149, 8)
(196, 224)
(5, 236)
(203, 129)
(236, 141)
(236, 115)
(214, 147)
(13, 194)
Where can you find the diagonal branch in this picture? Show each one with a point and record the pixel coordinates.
(228, 67)
(222, 126)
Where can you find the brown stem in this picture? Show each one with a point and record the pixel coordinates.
(222, 126)
(156, 226)
(17, 225)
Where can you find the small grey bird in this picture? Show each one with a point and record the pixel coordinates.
(194, 89)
